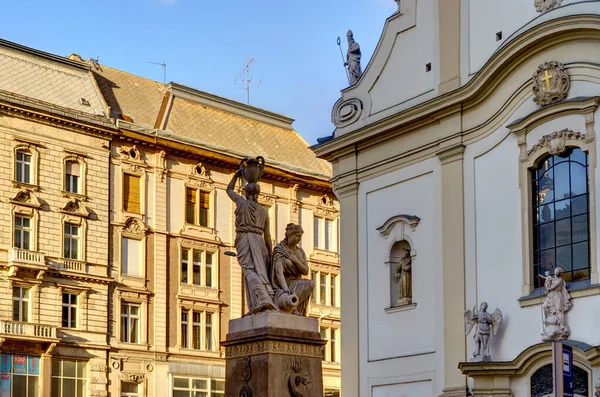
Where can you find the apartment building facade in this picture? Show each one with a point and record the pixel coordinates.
(113, 273)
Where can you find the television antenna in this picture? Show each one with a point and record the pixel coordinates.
(245, 78)
(164, 66)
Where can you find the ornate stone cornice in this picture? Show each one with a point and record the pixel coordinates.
(273, 347)
(410, 220)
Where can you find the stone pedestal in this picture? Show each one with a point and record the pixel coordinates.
(273, 355)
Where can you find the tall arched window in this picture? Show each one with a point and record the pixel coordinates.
(541, 382)
(561, 215)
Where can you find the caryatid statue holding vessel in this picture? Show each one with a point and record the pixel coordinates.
(273, 280)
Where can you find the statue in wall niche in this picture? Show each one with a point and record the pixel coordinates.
(402, 273)
(253, 239)
(486, 324)
(557, 303)
(353, 59)
(289, 265)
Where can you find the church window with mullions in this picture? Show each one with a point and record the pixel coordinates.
(561, 215)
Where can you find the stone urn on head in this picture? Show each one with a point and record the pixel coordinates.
(252, 169)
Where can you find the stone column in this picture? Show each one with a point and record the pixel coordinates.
(45, 375)
(453, 265)
(273, 355)
(449, 34)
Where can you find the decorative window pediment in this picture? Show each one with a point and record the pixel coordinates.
(134, 228)
(410, 220)
(26, 198)
(557, 142)
(132, 159)
(75, 207)
(199, 176)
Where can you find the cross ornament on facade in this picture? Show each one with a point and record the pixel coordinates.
(547, 78)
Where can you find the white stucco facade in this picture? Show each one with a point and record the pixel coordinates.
(454, 148)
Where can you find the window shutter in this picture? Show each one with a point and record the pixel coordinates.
(131, 193)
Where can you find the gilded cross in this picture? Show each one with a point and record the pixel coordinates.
(547, 78)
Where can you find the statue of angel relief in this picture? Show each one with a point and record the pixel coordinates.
(486, 324)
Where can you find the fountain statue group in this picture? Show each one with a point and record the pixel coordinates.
(273, 276)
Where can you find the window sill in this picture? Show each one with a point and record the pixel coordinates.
(78, 196)
(132, 346)
(577, 289)
(402, 308)
(30, 186)
(324, 255)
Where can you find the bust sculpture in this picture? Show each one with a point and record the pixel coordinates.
(486, 324)
(273, 279)
(557, 303)
(353, 59)
(402, 273)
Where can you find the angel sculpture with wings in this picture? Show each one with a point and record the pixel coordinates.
(486, 324)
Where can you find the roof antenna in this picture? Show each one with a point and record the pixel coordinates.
(164, 66)
(245, 78)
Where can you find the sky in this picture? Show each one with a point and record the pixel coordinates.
(205, 44)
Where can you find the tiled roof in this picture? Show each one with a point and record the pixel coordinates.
(35, 77)
(243, 134)
(130, 95)
(140, 99)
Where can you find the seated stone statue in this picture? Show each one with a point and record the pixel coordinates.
(289, 265)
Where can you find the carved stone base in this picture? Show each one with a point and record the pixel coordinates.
(273, 355)
(403, 301)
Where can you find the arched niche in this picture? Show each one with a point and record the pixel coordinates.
(401, 276)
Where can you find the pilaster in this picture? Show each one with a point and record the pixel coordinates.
(160, 255)
(453, 265)
(449, 41)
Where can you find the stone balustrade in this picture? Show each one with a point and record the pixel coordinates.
(17, 328)
(22, 256)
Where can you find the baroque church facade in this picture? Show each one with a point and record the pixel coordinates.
(464, 159)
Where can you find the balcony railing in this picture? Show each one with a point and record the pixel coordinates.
(71, 265)
(18, 255)
(16, 328)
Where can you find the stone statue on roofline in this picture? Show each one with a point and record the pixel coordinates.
(486, 324)
(353, 59)
(273, 279)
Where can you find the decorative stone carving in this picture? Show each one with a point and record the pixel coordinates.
(25, 197)
(346, 112)
(162, 165)
(131, 153)
(292, 291)
(403, 275)
(136, 377)
(134, 226)
(246, 371)
(556, 142)
(298, 384)
(73, 206)
(353, 59)
(555, 307)
(288, 348)
(486, 324)
(546, 5)
(550, 83)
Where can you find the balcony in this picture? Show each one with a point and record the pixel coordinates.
(27, 331)
(72, 266)
(25, 258)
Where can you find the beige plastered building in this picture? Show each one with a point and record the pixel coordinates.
(114, 277)
(456, 144)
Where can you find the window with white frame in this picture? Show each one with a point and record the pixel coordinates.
(323, 234)
(72, 177)
(22, 232)
(21, 299)
(23, 167)
(197, 330)
(68, 378)
(130, 389)
(326, 288)
(197, 267)
(192, 387)
(130, 322)
(71, 241)
(331, 349)
(131, 257)
(69, 310)
(197, 205)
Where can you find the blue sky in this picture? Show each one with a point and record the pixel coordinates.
(205, 43)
